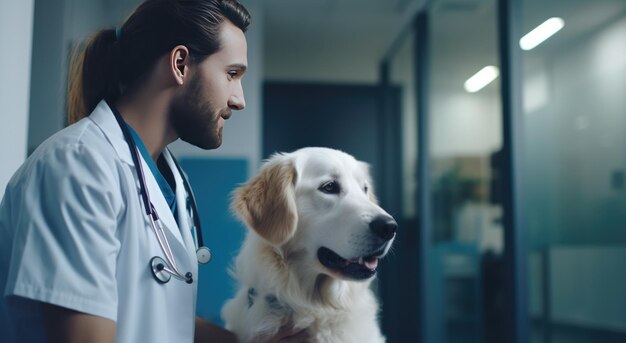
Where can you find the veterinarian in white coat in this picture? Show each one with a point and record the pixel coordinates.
(81, 225)
(84, 240)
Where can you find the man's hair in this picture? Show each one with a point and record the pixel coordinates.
(98, 71)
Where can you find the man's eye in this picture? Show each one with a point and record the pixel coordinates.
(232, 74)
(330, 187)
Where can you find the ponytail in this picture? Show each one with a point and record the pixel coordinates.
(94, 75)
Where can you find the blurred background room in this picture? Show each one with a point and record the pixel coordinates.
(495, 129)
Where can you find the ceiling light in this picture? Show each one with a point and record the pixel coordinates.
(541, 33)
(479, 80)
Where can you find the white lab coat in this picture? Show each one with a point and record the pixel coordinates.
(82, 240)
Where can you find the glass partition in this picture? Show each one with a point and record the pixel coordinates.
(574, 138)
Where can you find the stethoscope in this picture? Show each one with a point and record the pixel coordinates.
(164, 269)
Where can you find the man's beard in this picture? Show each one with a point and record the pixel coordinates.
(195, 119)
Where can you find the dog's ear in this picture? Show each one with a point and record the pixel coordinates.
(267, 202)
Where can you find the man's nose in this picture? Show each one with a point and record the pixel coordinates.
(237, 100)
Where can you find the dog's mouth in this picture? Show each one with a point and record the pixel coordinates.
(360, 268)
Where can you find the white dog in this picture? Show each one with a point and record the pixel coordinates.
(316, 236)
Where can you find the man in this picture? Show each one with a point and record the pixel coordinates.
(76, 238)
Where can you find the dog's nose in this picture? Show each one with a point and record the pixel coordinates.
(384, 227)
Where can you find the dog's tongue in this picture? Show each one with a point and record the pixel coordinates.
(371, 263)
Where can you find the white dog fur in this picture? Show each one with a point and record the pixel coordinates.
(298, 203)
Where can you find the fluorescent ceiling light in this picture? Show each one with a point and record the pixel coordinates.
(479, 80)
(541, 33)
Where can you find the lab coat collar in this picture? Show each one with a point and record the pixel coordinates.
(104, 118)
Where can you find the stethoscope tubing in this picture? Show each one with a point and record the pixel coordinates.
(165, 245)
(162, 265)
(194, 208)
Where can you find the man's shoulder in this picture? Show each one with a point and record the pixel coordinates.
(81, 145)
(83, 132)
(82, 138)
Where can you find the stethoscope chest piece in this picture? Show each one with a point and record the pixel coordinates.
(204, 255)
(157, 265)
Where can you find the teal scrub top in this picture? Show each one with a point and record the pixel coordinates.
(166, 189)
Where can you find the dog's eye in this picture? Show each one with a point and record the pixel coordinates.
(365, 189)
(330, 187)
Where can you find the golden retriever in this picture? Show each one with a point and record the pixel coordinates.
(316, 235)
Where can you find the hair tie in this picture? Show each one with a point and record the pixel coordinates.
(118, 33)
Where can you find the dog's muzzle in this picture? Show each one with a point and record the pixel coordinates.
(364, 266)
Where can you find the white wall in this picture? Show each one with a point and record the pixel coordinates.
(48, 71)
(59, 26)
(16, 30)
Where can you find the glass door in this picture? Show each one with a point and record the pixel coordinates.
(465, 139)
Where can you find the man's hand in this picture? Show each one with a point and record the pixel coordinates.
(207, 332)
(65, 325)
(286, 334)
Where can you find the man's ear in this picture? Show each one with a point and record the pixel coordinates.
(179, 63)
(267, 202)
